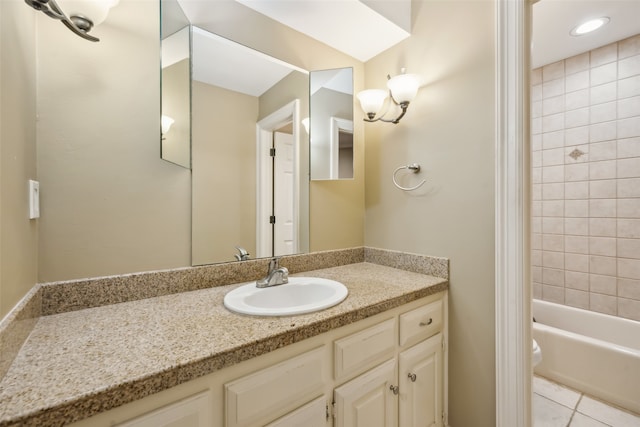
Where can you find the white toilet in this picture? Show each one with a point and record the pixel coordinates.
(537, 354)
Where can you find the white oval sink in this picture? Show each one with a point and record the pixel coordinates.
(300, 295)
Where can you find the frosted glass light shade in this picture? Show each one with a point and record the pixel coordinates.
(403, 87)
(94, 10)
(371, 100)
(166, 123)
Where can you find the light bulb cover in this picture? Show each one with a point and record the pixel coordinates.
(95, 11)
(403, 87)
(589, 26)
(371, 100)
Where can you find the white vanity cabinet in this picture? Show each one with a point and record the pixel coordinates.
(386, 370)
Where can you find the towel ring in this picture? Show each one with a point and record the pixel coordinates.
(413, 167)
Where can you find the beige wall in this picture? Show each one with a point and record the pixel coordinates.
(224, 179)
(109, 203)
(449, 131)
(18, 234)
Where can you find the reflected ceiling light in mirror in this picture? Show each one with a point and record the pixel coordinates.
(589, 26)
(402, 89)
(166, 123)
(81, 15)
(305, 124)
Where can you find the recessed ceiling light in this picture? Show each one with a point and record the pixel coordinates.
(589, 26)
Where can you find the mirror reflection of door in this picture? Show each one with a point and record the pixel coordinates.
(283, 188)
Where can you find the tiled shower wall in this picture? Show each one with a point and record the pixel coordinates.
(585, 126)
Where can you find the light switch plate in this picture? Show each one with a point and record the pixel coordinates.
(34, 199)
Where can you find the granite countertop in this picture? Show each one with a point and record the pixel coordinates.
(80, 363)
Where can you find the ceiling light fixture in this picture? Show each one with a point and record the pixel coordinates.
(83, 14)
(402, 89)
(589, 26)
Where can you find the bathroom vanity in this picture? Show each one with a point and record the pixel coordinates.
(376, 359)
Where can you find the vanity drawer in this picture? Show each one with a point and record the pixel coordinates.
(265, 394)
(358, 352)
(421, 322)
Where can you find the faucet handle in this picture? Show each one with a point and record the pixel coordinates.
(273, 263)
(242, 254)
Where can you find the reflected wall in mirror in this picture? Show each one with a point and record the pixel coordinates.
(250, 158)
(331, 124)
(175, 143)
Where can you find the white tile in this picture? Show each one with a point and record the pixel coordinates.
(576, 226)
(577, 99)
(554, 191)
(553, 139)
(607, 304)
(629, 47)
(605, 246)
(607, 414)
(628, 147)
(554, 156)
(577, 63)
(600, 284)
(553, 122)
(536, 142)
(602, 227)
(629, 107)
(603, 131)
(553, 293)
(536, 192)
(551, 225)
(536, 76)
(576, 208)
(537, 290)
(553, 208)
(553, 105)
(576, 244)
(602, 150)
(547, 413)
(629, 67)
(604, 74)
(576, 190)
(628, 208)
(630, 309)
(536, 225)
(576, 298)
(603, 112)
(554, 278)
(575, 118)
(536, 126)
(576, 280)
(556, 392)
(603, 170)
(536, 175)
(628, 248)
(576, 262)
(629, 228)
(536, 241)
(628, 168)
(629, 288)
(536, 109)
(628, 128)
(536, 258)
(552, 88)
(628, 187)
(605, 189)
(552, 259)
(628, 87)
(581, 420)
(629, 268)
(536, 93)
(577, 81)
(553, 174)
(582, 157)
(553, 71)
(576, 172)
(604, 55)
(553, 242)
(602, 208)
(603, 93)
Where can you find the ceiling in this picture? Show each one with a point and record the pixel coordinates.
(554, 19)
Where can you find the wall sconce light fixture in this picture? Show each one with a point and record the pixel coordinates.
(81, 17)
(402, 89)
(165, 123)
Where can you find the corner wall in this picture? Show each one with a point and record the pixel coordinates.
(449, 131)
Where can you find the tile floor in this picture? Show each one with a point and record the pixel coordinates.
(555, 405)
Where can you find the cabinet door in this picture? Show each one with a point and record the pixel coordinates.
(313, 414)
(369, 400)
(421, 373)
(191, 412)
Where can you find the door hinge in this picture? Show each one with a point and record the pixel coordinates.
(444, 345)
(272, 152)
(272, 219)
(331, 410)
(444, 419)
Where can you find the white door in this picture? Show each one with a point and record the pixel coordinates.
(283, 208)
(421, 375)
(368, 400)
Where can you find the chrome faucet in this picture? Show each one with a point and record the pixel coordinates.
(242, 254)
(276, 276)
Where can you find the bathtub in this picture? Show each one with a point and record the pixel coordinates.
(594, 353)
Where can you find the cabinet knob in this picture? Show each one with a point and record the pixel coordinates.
(412, 377)
(427, 323)
(394, 388)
